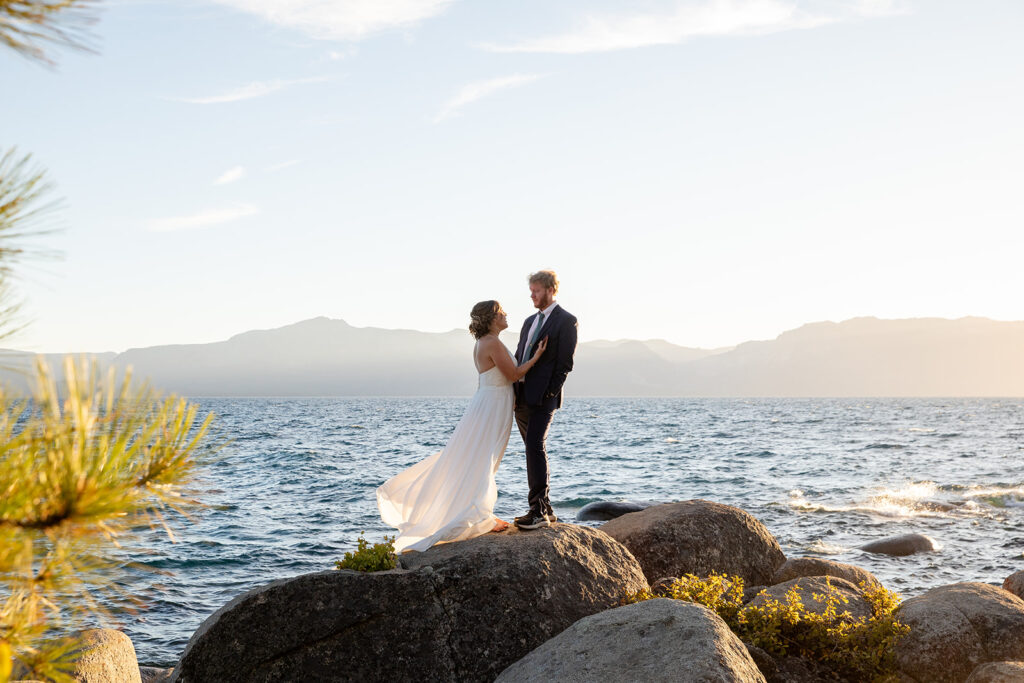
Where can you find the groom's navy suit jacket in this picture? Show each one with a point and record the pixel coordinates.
(544, 381)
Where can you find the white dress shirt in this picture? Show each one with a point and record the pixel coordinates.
(533, 327)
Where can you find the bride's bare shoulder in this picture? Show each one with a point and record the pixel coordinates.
(489, 342)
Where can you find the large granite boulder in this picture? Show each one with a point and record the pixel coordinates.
(1015, 584)
(998, 672)
(698, 537)
(900, 546)
(655, 640)
(797, 567)
(457, 612)
(325, 626)
(822, 586)
(106, 656)
(955, 628)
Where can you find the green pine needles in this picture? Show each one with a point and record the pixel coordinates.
(369, 558)
(856, 649)
(83, 471)
(29, 26)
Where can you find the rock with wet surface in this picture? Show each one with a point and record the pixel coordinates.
(900, 546)
(604, 510)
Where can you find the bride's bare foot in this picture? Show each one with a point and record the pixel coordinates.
(500, 525)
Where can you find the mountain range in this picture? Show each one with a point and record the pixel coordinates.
(858, 357)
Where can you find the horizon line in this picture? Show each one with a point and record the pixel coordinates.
(620, 340)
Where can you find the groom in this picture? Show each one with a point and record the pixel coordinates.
(539, 393)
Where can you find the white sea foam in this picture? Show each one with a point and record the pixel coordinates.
(995, 491)
(996, 496)
(797, 501)
(915, 499)
(808, 506)
(920, 429)
(671, 440)
(912, 491)
(911, 500)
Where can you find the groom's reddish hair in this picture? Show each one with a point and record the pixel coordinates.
(546, 279)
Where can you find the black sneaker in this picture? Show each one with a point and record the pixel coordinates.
(523, 518)
(533, 520)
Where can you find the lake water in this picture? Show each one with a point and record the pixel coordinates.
(295, 487)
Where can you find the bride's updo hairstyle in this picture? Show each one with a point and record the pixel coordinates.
(481, 317)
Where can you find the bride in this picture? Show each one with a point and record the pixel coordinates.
(450, 496)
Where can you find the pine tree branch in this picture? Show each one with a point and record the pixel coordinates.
(26, 26)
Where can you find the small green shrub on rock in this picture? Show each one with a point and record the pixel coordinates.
(370, 558)
(856, 649)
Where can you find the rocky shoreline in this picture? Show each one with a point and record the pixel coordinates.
(548, 605)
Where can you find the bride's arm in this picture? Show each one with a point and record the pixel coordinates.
(507, 364)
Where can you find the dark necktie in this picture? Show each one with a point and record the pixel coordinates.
(533, 340)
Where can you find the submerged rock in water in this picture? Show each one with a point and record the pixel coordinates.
(698, 537)
(797, 567)
(955, 628)
(654, 640)
(456, 612)
(604, 510)
(938, 505)
(899, 546)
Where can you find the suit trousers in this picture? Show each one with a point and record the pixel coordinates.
(533, 423)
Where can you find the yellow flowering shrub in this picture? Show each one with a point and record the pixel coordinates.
(855, 648)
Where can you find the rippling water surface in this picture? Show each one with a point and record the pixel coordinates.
(296, 485)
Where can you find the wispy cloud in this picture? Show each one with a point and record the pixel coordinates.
(283, 164)
(879, 8)
(247, 92)
(204, 219)
(338, 55)
(684, 20)
(341, 20)
(480, 89)
(230, 176)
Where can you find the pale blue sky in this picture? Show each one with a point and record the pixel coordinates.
(703, 171)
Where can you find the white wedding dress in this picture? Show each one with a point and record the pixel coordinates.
(450, 496)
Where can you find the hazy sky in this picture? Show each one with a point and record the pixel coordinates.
(706, 171)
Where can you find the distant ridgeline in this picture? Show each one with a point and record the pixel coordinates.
(858, 357)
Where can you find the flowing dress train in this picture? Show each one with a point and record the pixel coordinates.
(450, 495)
